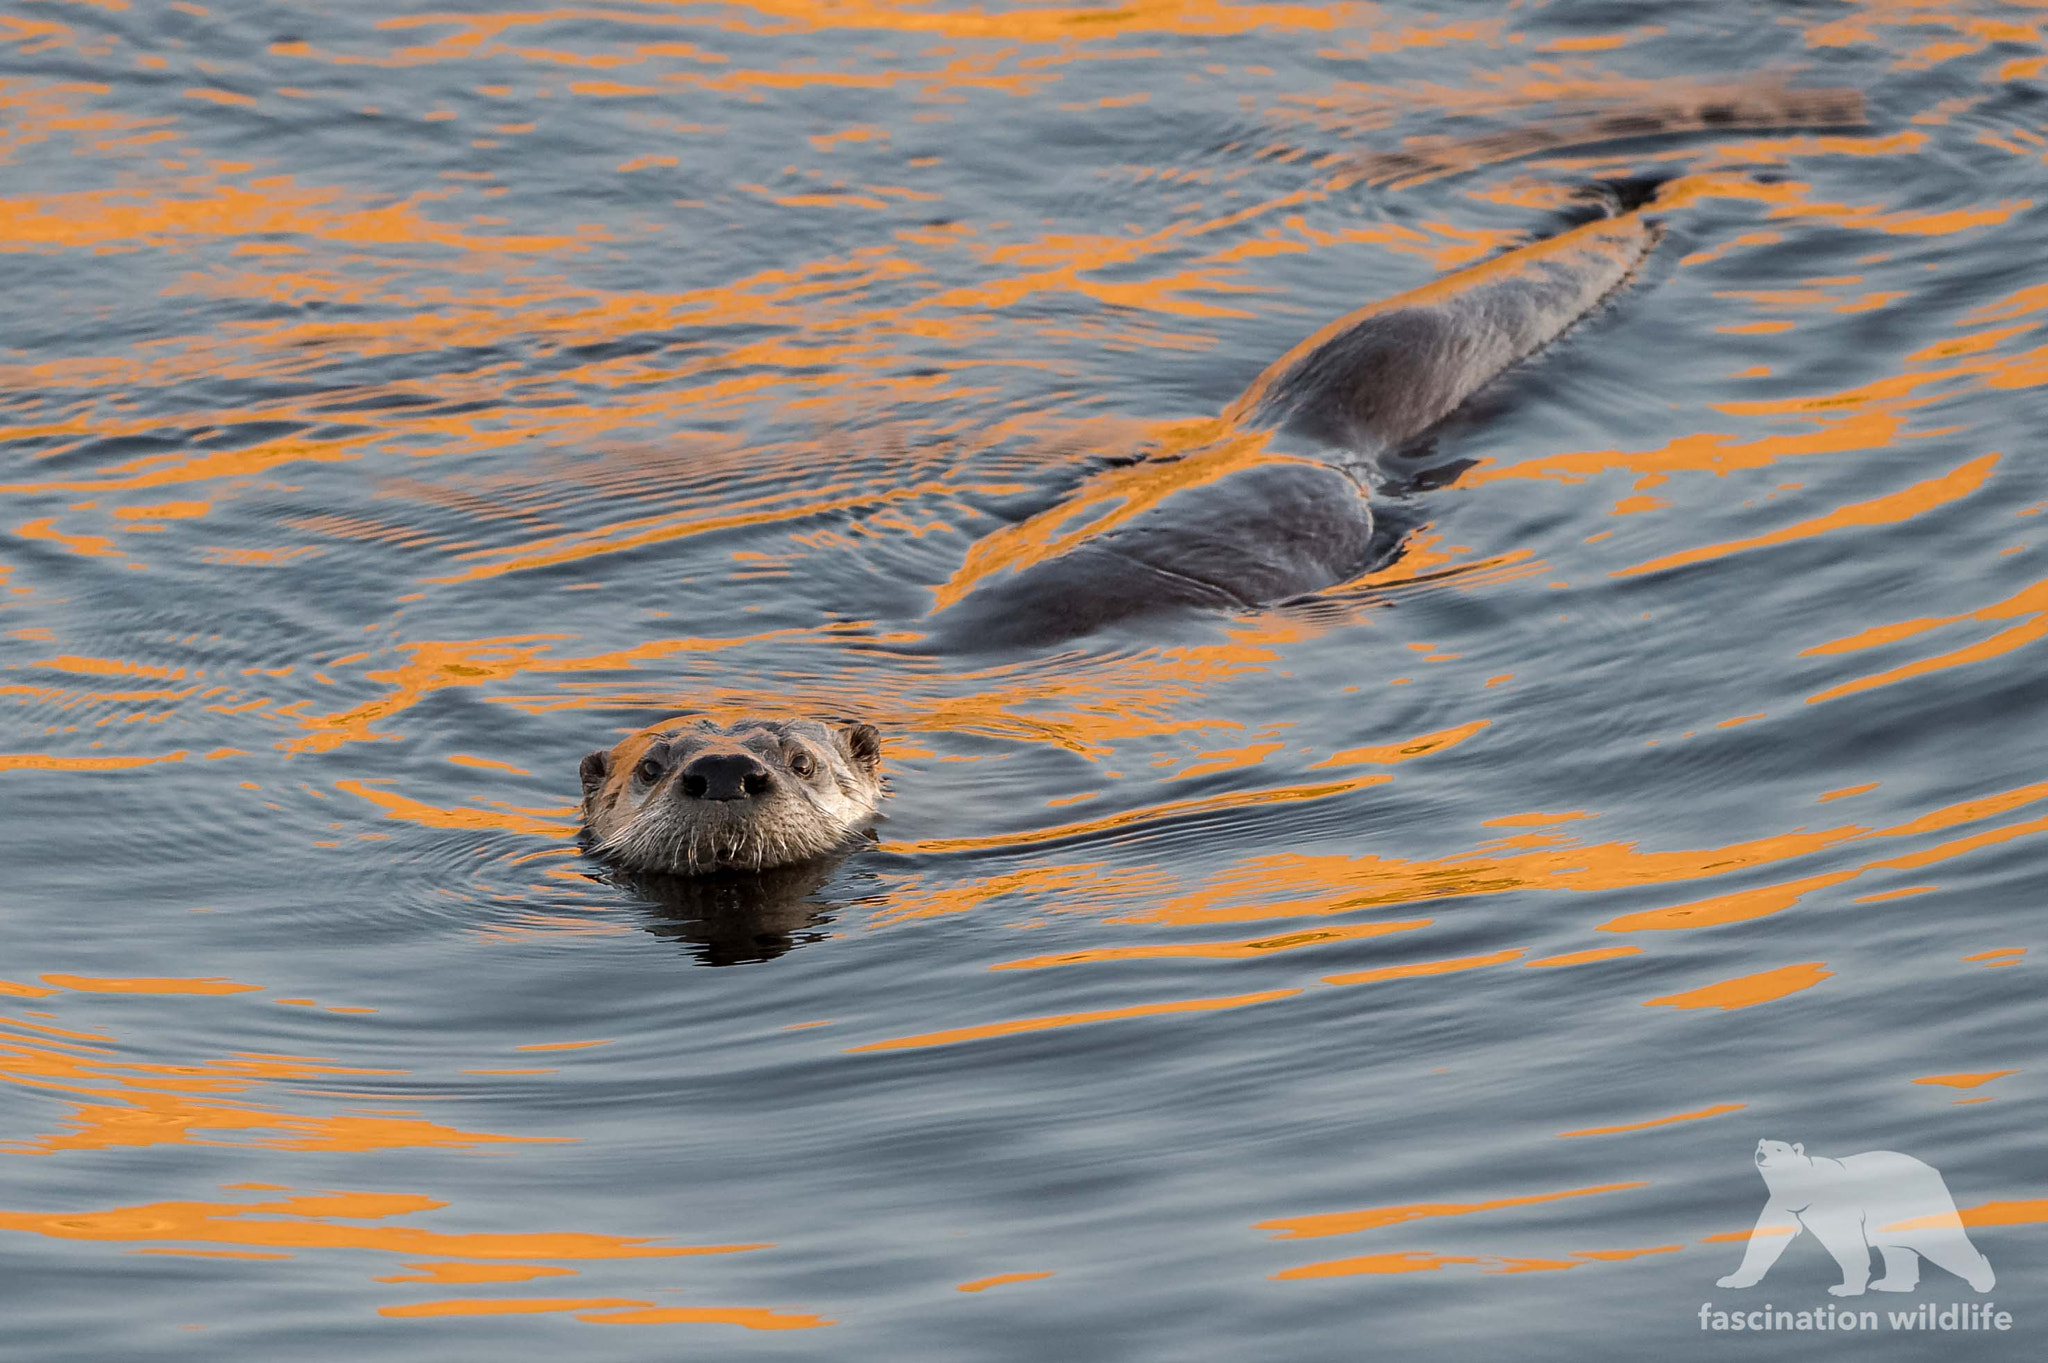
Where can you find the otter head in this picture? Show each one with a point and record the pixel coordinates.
(704, 799)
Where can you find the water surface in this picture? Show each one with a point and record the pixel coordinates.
(396, 404)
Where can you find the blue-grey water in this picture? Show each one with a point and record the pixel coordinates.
(398, 403)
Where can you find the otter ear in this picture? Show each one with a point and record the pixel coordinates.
(596, 766)
(1798, 1148)
(864, 741)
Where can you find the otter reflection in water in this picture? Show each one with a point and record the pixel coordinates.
(738, 917)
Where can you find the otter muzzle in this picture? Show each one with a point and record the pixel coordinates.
(726, 776)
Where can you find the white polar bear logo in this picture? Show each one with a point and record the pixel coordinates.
(1880, 1199)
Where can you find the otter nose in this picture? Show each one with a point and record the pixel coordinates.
(726, 776)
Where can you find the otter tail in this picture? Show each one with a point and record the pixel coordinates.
(1378, 377)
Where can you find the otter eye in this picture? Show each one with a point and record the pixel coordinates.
(800, 762)
(649, 771)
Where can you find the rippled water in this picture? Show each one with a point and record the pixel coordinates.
(398, 404)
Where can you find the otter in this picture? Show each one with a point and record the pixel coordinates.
(1267, 502)
(696, 798)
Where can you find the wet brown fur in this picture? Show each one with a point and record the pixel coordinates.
(811, 787)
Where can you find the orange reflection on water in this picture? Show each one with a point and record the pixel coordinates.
(776, 509)
(1964, 1081)
(1400, 1261)
(163, 511)
(1089, 713)
(430, 665)
(1906, 892)
(155, 1118)
(93, 984)
(1585, 957)
(214, 1253)
(1421, 561)
(433, 665)
(750, 1317)
(476, 38)
(1728, 908)
(213, 209)
(115, 1103)
(1250, 949)
(1218, 760)
(956, 1035)
(1345, 1223)
(419, 812)
(36, 112)
(1402, 752)
(487, 764)
(1421, 968)
(110, 667)
(1280, 885)
(1715, 1111)
(1165, 810)
(1419, 1261)
(1054, 24)
(85, 546)
(1063, 883)
(1289, 885)
(1771, 899)
(157, 470)
(45, 762)
(1001, 1280)
(1887, 510)
(1746, 991)
(476, 1273)
(503, 1306)
(549, 312)
(2029, 607)
(309, 1221)
(1705, 452)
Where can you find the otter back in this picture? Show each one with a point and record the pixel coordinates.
(1250, 535)
(1244, 522)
